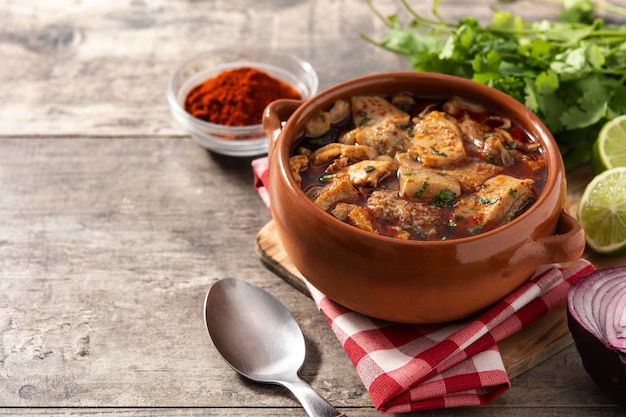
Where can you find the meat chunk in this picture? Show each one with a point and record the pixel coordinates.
(437, 141)
(474, 134)
(385, 137)
(297, 164)
(533, 164)
(492, 144)
(371, 110)
(339, 189)
(369, 172)
(339, 111)
(318, 125)
(342, 210)
(457, 106)
(476, 131)
(340, 150)
(363, 218)
(497, 146)
(424, 170)
(417, 218)
(474, 174)
(415, 181)
(498, 201)
(403, 101)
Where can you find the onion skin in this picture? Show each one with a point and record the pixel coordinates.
(588, 319)
(602, 363)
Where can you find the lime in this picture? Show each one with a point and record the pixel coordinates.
(602, 211)
(609, 150)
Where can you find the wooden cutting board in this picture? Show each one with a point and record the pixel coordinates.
(520, 351)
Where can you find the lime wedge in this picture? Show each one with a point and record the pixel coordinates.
(609, 150)
(602, 211)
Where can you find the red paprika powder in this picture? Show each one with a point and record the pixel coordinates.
(236, 97)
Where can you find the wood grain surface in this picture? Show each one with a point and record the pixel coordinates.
(114, 223)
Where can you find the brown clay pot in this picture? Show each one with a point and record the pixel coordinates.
(416, 281)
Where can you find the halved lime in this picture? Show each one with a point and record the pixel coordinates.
(602, 211)
(609, 150)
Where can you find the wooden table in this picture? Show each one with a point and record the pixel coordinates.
(114, 223)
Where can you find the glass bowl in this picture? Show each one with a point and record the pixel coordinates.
(235, 140)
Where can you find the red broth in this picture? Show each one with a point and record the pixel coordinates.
(385, 208)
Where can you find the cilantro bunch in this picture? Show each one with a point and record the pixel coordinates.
(570, 73)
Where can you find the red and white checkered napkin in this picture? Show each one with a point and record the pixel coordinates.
(260, 169)
(419, 367)
(409, 368)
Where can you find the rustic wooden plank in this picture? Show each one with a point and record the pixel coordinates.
(113, 224)
(108, 247)
(116, 57)
(99, 68)
(295, 412)
(107, 250)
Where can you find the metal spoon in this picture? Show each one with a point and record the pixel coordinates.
(260, 339)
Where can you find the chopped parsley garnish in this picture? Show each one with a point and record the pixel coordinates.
(437, 152)
(419, 192)
(445, 198)
(451, 223)
(485, 200)
(569, 72)
(474, 230)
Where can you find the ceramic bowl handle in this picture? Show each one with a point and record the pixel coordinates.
(566, 245)
(274, 116)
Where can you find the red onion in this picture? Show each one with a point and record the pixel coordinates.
(596, 312)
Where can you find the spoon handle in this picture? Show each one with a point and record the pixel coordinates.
(313, 403)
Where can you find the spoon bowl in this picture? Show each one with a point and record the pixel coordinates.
(259, 338)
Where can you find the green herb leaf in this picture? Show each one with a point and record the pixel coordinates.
(451, 223)
(571, 73)
(474, 230)
(445, 198)
(437, 152)
(484, 200)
